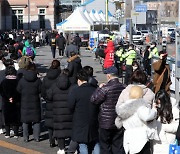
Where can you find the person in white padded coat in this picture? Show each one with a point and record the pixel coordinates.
(136, 116)
(167, 122)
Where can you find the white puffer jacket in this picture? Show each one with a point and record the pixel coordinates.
(137, 117)
(167, 132)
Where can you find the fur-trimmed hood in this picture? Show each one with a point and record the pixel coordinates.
(130, 107)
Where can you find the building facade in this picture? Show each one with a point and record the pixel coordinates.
(29, 14)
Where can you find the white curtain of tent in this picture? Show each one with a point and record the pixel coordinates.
(88, 17)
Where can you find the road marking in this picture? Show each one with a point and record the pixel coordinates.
(18, 148)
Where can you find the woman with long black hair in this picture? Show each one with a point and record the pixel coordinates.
(167, 122)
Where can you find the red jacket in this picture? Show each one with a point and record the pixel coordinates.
(109, 55)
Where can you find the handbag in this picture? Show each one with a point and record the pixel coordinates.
(174, 149)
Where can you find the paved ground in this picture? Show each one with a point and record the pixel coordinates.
(43, 60)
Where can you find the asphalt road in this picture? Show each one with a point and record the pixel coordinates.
(43, 61)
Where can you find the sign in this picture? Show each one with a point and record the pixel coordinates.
(128, 24)
(91, 42)
(135, 14)
(141, 8)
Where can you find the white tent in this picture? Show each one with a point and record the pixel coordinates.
(86, 13)
(97, 16)
(102, 15)
(91, 14)
(76, 22)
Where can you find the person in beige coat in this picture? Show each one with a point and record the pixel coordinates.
(138, 78)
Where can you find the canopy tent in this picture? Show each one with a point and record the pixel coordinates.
(91, 14)
(88, 17)
(75, 22)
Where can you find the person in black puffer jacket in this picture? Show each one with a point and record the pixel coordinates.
(74, 66)
(48, 81)
(30, 87)
(110, 138)
(62, 116)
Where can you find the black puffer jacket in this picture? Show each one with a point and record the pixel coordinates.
(62, 116)
(107, 97)
(48, 81)
(30, 87)
(74, 66)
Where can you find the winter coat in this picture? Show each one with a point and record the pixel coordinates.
(11, 110)
(85, 117)
(2, 77)
(107, 97)
(148, 94)
(109, 55)
(167, 132)
(27, 45)
(61, 42)
(71, 48)
(30, 87)
(162, 74)
(77, 41)
(48, 81)
(136, 116)
(62, 116)
(74, 66)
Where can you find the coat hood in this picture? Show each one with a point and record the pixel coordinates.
(53, 73)
(110, 44)
(27, 44)
(30, 76)
(63, 82)
(128, 108)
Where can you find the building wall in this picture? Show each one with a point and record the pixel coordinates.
(35, 6)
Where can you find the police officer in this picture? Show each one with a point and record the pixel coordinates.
(129, 57)
(120, 59)
(154, 50)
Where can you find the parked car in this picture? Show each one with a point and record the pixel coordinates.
(138, 37)
(146, 33)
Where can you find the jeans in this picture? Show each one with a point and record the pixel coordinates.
(61, 52)
(36, 131)
(90, 148)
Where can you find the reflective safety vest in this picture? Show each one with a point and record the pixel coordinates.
(154, 52)
(119, 54)
(129, 56)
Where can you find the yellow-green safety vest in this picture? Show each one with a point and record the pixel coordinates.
(154, 52)
(119, 54)
(129, 56)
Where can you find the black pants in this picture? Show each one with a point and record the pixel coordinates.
(111, 141)
(15, 129)
(61, 52)
(53, 50)
(61, 143)
(73, 146)
(128, 74)
(51, 138)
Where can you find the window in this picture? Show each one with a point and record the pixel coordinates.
(42, 18)
(17, 19)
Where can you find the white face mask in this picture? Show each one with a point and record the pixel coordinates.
(158, 105)
(134, 68)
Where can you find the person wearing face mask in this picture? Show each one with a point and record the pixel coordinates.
(161, 79)
(135, 65)
(167, 121)
(154, 50)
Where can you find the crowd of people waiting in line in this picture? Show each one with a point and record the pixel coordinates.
(111, 117)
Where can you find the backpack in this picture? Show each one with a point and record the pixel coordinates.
(29, 52)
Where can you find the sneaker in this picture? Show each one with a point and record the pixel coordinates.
(15, 137)
(1, 131)
(60, 151)
(12, 133)
(6, 136)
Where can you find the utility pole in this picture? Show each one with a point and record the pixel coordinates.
(107, 11)
(29, 26)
